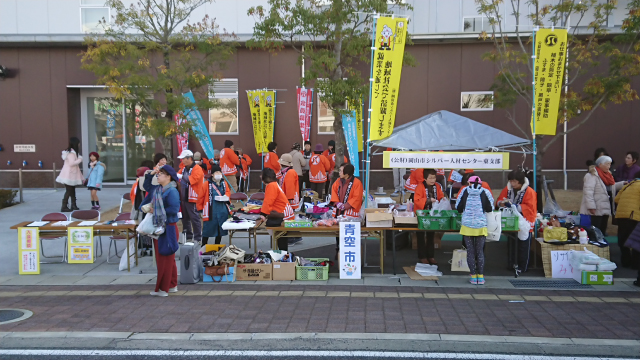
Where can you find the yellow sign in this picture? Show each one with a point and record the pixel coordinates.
(387, 66)
(446, 160)
(551, 49)
(357, 106)
(29, 251)
(256, 119)
(80, 245)
(267, 110)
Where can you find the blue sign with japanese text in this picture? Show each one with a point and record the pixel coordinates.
(350, 255)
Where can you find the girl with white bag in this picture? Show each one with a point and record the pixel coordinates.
(473, 202)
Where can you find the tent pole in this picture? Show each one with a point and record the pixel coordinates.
(368, 144)
(535, 149)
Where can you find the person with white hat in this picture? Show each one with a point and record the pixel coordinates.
(191, 184)
(289, 180)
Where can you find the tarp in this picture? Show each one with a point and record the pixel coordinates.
(443, 130)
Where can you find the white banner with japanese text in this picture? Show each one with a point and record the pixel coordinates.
(350, 256)
(446, 160)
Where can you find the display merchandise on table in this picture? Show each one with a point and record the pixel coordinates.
(562, 230)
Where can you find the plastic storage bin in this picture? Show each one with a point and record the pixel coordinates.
(313, 272)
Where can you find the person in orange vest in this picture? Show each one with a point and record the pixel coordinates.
(271, 160)
(319, 166)
(519, 193)
(412, 182)
(427, 193)
(289, 180)
(246, 161)
(191, 184)
(275, 206)
(346, 196)
(215, 212)
(228, 162)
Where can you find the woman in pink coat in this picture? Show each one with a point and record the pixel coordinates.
(70, 174)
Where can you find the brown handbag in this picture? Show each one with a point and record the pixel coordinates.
(220, 270)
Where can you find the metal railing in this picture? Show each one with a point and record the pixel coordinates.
(21, 170)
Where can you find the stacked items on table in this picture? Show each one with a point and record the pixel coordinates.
(589, 268)
(570, 229)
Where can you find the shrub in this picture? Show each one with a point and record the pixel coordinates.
(6, 197)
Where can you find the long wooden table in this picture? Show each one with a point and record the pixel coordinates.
(126, 229)
(327, 231)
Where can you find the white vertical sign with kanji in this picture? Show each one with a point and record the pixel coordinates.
(350, 255)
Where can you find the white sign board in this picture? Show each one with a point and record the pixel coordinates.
(560, 266)
(446, 160)
(350, 255)
(24, 148)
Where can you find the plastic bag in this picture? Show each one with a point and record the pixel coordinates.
(443, 204)
(606, 265)
(523, 225)
(146, 225)
(584, 257)
(132, 260)
(494, 225)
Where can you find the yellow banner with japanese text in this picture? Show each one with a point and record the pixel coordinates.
(387, 59)
(256, 120)
(267, 110)
(551, 48)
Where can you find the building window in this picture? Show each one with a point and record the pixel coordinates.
(476, 101)
(91, 13)
(475, 24)
(223, 119)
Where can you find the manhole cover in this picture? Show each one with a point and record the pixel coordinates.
(13, 315)
(548, 284)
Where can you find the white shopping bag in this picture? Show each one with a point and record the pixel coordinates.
(459, 261)
(494, 225)
(132, 259)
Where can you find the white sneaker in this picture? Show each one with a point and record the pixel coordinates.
(159, 293)
(173, 290)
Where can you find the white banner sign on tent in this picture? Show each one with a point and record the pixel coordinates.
(446, 160)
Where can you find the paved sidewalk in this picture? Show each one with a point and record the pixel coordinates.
(317, 309)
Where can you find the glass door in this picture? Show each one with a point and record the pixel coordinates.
(105, 123)
(138, 147)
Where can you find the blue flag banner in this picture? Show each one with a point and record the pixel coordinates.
(199, 127)
(350, 126)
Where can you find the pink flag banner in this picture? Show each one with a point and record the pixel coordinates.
(305, 100)
(182, 139)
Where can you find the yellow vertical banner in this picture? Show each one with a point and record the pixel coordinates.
(357, 106)
(80, 245)
(29, 251)
(256, 119)
(551, 49)
(267, 109)
(387, 67)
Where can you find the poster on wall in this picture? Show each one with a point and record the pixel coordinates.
(387, 67)
(28, 251)
(80, 245)
(551, 49)
(256, 120)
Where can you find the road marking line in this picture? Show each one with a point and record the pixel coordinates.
(293, 353)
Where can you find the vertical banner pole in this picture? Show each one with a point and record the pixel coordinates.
(368, 149)
(535, 150)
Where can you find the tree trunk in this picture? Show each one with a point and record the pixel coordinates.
(167, 148)
(339, 139)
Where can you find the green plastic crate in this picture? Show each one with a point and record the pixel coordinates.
(298, 224)
(313, 272)
(509, 223)
(456, 222)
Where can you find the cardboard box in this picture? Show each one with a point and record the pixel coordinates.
(254, 272)
(594, 277)
(406, 221)
(378, 219)
(284, 271)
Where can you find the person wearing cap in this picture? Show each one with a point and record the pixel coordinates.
(473, 202)
(299, 163)
(271, 159)
(228, 162)
(465, 182)
(215, 211)
(275, 206)
(318, 167)
(191, 184)
(246, 161)
(289, 180)
(167, 279)
(428, 192)
(595, 197)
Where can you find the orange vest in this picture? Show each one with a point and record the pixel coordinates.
(420, 196)
(196, 181)
(276, 200)
(246, 162)
(228, 161)
(416, 177)
(290, 187)
(271, 162)
(318, 167)
(354, 199)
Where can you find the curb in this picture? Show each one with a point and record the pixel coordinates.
(320, 336)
